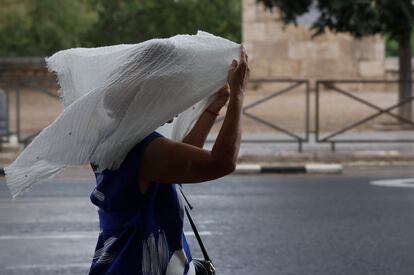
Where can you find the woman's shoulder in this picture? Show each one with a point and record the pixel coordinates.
(136, 149)
(151, 136)
(146, 140)
(139, 147)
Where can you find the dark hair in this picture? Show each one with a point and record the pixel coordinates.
(94, 166)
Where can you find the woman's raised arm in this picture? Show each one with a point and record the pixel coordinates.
(167, 161)
(198, 134)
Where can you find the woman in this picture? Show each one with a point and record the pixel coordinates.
(141, 212)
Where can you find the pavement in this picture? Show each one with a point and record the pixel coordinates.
(282, 153)
(251, 224)
(367, 153)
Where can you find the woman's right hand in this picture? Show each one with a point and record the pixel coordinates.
(238, 73)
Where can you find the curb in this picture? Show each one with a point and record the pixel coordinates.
(384, 156)
(311, 168)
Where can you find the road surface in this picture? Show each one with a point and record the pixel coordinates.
(268, 224)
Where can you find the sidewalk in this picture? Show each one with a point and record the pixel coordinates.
(345, 153)
(287, 153)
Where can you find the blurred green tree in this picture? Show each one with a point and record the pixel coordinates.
(362, 18)
(59, 24)
(14, 27)
(42, 27)
(391, 45)
(132, 21)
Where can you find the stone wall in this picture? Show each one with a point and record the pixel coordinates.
(278, 51)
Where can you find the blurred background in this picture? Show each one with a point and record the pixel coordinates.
(325, 175)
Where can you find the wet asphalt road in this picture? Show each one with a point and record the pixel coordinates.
(251, 225)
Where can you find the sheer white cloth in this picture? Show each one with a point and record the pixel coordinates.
(115, 96)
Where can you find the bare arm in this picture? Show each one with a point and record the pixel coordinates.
(167, 161)
(198, 134)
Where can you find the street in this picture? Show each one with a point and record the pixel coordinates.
(255, 224)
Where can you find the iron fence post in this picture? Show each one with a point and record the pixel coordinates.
(18, 110)
(317, 111)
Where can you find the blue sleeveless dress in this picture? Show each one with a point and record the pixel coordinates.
(139, 233)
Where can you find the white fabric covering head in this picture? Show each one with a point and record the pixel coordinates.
(115, 96)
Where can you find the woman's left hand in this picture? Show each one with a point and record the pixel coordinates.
(222, 96)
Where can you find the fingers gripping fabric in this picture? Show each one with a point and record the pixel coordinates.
(115, 96)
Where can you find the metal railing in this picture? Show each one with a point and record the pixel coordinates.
(295, 138)
(37, 84)
(333, 138)
(14, 86)
(4, 117)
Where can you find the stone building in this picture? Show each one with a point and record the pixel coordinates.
(278, 51)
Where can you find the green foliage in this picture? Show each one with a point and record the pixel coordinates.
(42, 27)
(58, 24)
(14, 27)
(358, 17)
(132, 21)
(392, 45)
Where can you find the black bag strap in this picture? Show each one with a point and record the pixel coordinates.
(197, 235)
